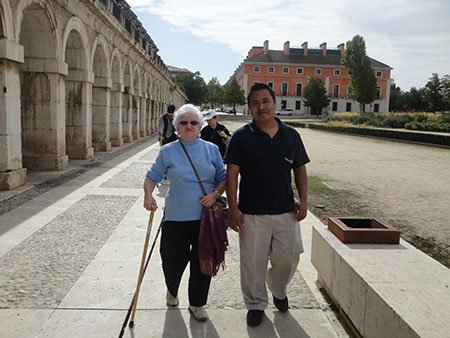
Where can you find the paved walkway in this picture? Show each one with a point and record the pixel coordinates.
(69, 260)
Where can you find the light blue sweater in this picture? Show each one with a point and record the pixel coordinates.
(183, 196)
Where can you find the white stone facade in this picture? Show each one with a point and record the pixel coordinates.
(75, 77)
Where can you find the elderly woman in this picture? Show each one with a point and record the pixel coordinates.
(183, 206)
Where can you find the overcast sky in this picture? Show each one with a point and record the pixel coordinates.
(213, 37)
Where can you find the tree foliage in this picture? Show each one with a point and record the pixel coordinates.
(194, 87)
(316, 96)
(233, 94)
(363, 83)
(433, 94)
(214, 92)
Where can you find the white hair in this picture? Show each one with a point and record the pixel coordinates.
(184, 109)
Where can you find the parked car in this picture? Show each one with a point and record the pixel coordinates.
(284, 112)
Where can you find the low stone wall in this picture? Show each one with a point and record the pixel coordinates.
(385, 290)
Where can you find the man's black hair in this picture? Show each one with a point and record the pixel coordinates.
(260, 86)
(171, 109)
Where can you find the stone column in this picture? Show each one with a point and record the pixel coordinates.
(101, 95)
(116, 115)
(136, 100)
(79, 114)
(12, 174)
(126, 116)
(143, 116)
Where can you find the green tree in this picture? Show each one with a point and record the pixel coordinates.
(194, 87)
(233, 94)
(433, 94)
(415, 100)
(363, 84)
(214, 92)
(397, 98)
(446, 91)
(316, 96)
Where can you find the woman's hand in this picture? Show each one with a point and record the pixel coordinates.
(150, 203)
(209, 199)
(223, 134)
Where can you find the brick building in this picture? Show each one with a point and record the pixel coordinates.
(287, 71)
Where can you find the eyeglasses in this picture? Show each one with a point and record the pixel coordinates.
(192, 123)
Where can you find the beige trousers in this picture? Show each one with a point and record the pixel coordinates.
(274, 238)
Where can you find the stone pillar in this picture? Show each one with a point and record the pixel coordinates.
(79, 114)
(12, 174)
(143, 117)
(101, 94)
(126, 116)
(116, 115)
(136, 100)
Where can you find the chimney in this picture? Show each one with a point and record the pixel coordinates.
(323, 46)
(286, 48)
(266, 46)
(305, 48)
(341, 48)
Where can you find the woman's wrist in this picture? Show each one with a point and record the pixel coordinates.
(217, 193)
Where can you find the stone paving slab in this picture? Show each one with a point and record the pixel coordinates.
(101, 290)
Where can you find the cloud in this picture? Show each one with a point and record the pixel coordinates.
(400, 33)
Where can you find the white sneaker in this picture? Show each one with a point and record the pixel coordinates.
(198, 313)
(171, 300)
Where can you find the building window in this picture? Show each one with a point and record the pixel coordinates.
(378, 74)
(376, 108)
(349, 73)
(284, 89)
(255, 82)
(298, 89)
(298, 105)
(299, 70)
(318, 71)
(270, 84)
(270, 69)
(283, 104)
(378, 93)
(337, 72)
(335, 91)
(334, 106)
(348, 106)
(285, 70)
(255, 69)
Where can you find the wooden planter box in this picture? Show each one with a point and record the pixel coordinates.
(363, 230)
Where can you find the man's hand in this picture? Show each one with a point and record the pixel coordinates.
(235, 219)
(300, 211)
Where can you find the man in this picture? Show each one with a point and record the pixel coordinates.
(215, 132)
(166, 129)
(264, 152)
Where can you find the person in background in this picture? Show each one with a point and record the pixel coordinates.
(166, 128)
(183, 205)
(215, 132)
(265, 152)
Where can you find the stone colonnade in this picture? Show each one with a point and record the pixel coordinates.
(75, 77)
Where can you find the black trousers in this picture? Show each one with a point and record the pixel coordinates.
(179, 246)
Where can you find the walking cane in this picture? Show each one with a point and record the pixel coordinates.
(142, 270)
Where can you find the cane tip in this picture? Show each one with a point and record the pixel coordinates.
(131, 324)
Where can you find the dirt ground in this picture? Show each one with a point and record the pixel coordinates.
(406, 184)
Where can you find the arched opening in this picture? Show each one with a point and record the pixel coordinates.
(101, 102)
(78, 117)
(135, 108)
(127, 104)
(41, 148)
(116, 104)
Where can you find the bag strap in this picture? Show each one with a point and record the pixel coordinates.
(193, 167)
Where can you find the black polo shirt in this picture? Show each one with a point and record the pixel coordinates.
(265, 167)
